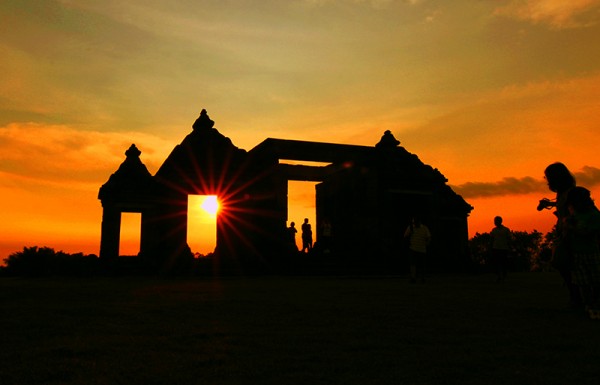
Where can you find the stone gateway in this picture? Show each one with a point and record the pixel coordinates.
(367, 195)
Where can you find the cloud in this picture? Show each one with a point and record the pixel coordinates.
(507, 186)
(558, 14)
(588, 176)
(56, 155)
(377, 4)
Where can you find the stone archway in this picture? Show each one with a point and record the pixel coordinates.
(131, 189)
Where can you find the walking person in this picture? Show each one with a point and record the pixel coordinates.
(501, 240)
(419, 237)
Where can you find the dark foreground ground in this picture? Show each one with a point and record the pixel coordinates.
(294, 330)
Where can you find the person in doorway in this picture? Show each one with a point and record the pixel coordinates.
(307, 239)
(419, 237)
(291, 238)
(501, 240)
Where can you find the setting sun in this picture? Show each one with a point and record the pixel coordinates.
(210, 204)
(202, 223)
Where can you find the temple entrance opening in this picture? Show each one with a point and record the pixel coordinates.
(202, 223)
(302, 204)
(131, 229)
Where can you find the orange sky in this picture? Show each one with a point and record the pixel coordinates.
(488, 92)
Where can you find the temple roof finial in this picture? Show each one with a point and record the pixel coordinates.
(203, 122)
(133, 152)
(388, 140)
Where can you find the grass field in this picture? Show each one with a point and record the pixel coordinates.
(295, 330)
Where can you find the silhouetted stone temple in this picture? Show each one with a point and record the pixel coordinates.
(368, 195)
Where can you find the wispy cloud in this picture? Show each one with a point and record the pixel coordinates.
(588, 177)
(557, 13)
(374, 3)
(60, 155)
(507, 186)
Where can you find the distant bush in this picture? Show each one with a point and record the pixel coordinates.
(45, 261)
(530, 251)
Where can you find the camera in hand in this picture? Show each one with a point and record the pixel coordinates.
(545, 203)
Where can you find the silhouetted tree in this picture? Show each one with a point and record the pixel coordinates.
(529, 251)
(45, 261)
(526, 246)
(479, 249)
(543, 259)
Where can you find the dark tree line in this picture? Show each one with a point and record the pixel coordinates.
(529, 251)
(45, 261)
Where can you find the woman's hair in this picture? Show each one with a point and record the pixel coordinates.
(580, 199)
(559, 177)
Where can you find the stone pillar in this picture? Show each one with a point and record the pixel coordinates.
(111, 233)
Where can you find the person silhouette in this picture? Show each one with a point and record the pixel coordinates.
(419, 237)
(291, 237)
(501, 239)
(582, 229)
(307, 241)
(561, 181)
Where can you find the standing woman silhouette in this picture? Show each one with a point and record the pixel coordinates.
(561, 181)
